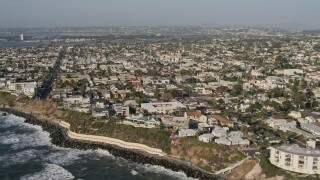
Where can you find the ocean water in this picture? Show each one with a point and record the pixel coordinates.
(27, 153)
(16, 44)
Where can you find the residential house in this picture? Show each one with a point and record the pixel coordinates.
(146, 121)
(205, 127)
(275, 123)
(100, 112)
(187, 132)
(121, 109)
(223, 141)
(105, 93)
(58, 93)
(196, 115)
(175, 122)
(206, 137)
(312, 128)
(223, 121)
(162, 107)
(219, 131)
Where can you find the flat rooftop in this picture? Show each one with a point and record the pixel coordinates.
(296, 149)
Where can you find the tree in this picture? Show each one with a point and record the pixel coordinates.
(156, 92)
(237, 89)
(166, 97)
(309, 94)
(221, 89)
(191, 80)
(303, 84)
(276, 92)
(254, 107)
(138, 72)
(298, 98)
(287, 106)
(282, 63)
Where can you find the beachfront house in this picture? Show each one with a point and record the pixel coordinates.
(206, 137)
(174, 122)
(223, 141)
(187, 132)
(141, 120)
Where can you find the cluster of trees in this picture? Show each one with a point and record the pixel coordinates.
(277, 92)
(282, 63)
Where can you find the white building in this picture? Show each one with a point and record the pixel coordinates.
(296, 159)
(275, 123)
(223, 141)
(295, 114)
(291, 72)
(26, 88)
(206, 137)
(315, 130)
(288, 126)
(236, 140)
(187, 132)
(219, 131)
(21, 37)
(162, 107)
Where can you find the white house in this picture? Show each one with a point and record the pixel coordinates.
(291, 72)
(196, 115)
(275, 123)
(295, 114)
(206, 137)
(162, 107)
(236, 140)
(223, 141)
(288, 126)
(187, 132)
(315, 130)
(219, 131)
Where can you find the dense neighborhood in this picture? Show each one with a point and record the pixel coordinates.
(252, 90)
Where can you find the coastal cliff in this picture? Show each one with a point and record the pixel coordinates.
(59, 136)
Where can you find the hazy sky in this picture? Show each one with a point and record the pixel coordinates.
(58, 13)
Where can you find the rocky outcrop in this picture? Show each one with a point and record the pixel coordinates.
(59, 137)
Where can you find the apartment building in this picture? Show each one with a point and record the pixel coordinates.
(296, 159)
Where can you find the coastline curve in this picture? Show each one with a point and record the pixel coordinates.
(59, 136)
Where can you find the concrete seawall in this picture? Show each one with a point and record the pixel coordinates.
(113, 141)
(60, 136)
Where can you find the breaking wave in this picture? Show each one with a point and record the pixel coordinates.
(29, 143)
(50, 171)
(159, 169)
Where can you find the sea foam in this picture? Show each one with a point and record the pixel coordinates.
(159, 169)
(18, 158)
(50, 172)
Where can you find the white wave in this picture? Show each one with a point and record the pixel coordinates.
(102, 152)
(28, 139)
(31, 136)
(18, 158)
(11, 120)
(50, 172)
(8, 140)
(64, 157)
(159, 169)
(133, 172)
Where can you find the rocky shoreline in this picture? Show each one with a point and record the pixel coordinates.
(59, 137)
